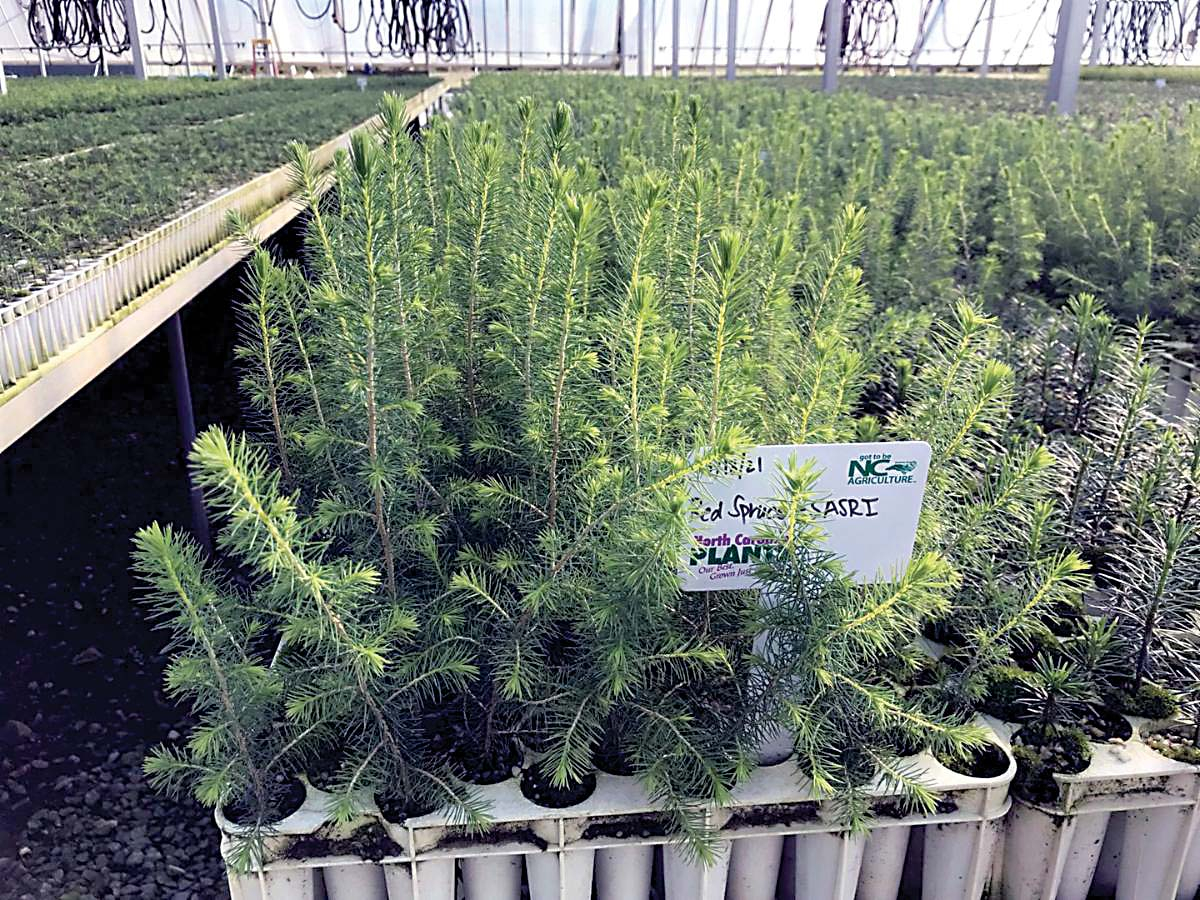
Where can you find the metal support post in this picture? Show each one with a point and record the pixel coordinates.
(716, 34)
(571, 38)
(1056, 61)
(486, 56)
(641, 38)
(1068, 50)
(731, 57)
(653, 31)
(987, 39)
(3, 80)
(507, 33)
(187, 425)
(833, 45)
(135, 40)
(923, 37)
(218, 43)
(1099, 25)
(562, 34)
(762, 38)
(675, 38)
(264, 35)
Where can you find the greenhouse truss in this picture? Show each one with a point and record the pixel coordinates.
(177, 36)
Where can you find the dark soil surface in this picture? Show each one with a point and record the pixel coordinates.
(1041, 755)
(1178, 743)
(397, 809)
(1104, 725)
(286, 797)
(369, 842)
(537, 789)
(609, 758)
(80, 678)
(492, 767)
(782, 814)
(987, 761)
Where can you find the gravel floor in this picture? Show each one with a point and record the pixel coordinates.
(80, 693)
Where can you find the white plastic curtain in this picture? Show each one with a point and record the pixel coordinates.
(771, 33)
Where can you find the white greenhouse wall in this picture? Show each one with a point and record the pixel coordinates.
(538, 32)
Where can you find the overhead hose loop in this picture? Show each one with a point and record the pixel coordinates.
(1139, 32)
(91, 29)
(407, 27)
(869, 29)
(88, 29)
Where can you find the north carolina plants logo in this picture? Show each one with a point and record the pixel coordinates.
(880, 468)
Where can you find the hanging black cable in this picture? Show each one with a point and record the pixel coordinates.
(159, 8)
(1189, 27)
(407, 27)
(1139, 32)
(960, 48)
(91, 29)
(88, 29)
(869, 30)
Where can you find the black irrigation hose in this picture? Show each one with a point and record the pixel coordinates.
(406, 27)
(869, 29)
(1139, 32)
(88, 29)
(168, 23)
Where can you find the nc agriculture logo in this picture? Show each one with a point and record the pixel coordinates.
(880, 468)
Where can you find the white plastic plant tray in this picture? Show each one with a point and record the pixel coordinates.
(1127, 776)
(1052, 851)
(960, 840)
(608, 840)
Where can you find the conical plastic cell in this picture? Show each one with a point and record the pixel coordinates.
(492, 877)
(754, 868)
(883, 863)
(624, 873)
(1189, 882)
(958, 860)
(1084, 856)
(787, 870)
(1034, 846)
(283, 884)
(827, 865)
(358, 882)
(560, 876)
(687, 879)
(435, 879)
(1104, 882)
(1151, 855)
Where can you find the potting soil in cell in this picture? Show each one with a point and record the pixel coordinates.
(985, 762)
(536, 788)
(371, 842)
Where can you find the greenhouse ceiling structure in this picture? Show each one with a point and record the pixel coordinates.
(177, 35)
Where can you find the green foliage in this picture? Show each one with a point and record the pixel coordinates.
(1154, 596)
(233, 754)
(1150, 701)
(481, 403)
(90, 163)
(818, 666)
(1063, 751)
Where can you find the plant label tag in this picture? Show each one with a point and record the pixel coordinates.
(867, 499)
